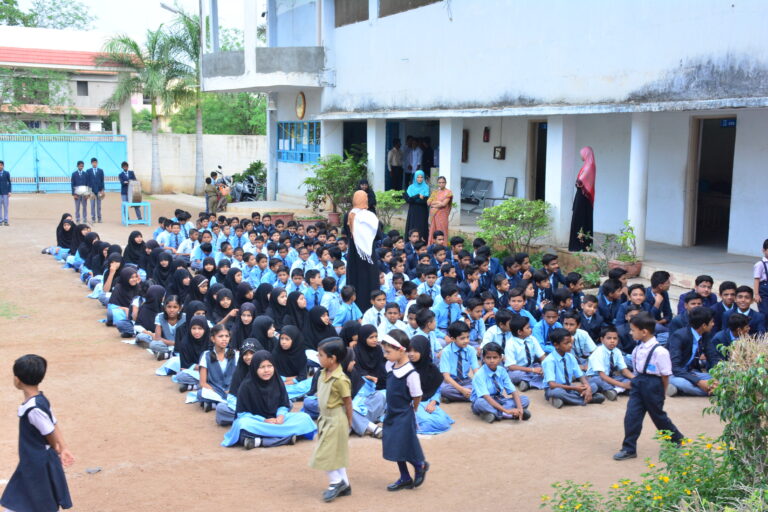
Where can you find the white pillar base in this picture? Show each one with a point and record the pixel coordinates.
(451, 132)
(637, 202)
(561, 171)
(377, 152)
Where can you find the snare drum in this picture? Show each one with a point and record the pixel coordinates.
(82, 190)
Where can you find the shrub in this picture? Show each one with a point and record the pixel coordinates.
(516, 223)
(335, 179)
(257, 169)
(388, 203)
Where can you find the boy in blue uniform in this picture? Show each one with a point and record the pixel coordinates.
(657, 296)
(494, 397)
(727, 302)
(692, 354)
(738, 326)
(609, 300)
(38, 482)
(447, 310)
(744, 298)
(703, 288)
(652, 368)
(96, 177)
(79, 180)
(607, 367)
(566, 383)
(458, 362)
(523, 356)
(548, 323)
(591, 320)
(552, 269)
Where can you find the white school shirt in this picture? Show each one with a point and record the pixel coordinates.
(38, 418)
(385, 326)
(514, 353)
(188, 246)
(222, 364)
(370, 317)
(413, 381)
(600, 360)
(582, 344)
(299, 263)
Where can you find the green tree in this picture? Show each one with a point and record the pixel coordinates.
(61, 14)
(225, 114)
(152, 70)
(10, 14)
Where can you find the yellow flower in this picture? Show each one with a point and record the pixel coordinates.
(667, 438)
(686, 454)
(665, 478)
(698, 479)
(629, 498)
(684, 473)
(546, 498)
(708, 446)
(657, 497)
(578, 506)
(651, 465)
(615, 486)
(561, 506)
(702, 437)
(731, 448)
(718, 447)
(647, 487)
(688, 492)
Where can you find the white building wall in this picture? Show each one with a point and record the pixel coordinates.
(290, 176)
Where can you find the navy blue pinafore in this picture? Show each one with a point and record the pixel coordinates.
(399, 439)
(38, 484)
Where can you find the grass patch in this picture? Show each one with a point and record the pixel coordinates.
(8, 310)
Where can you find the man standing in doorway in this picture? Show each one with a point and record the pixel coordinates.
(96, 176)
(125, 177)
(395, 164)
(5, 193)
(80, 191)
(428, 158)
(412, 159)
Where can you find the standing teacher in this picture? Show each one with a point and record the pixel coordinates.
(418, 211)
(361, 227)
(583, 204)
(439, 209)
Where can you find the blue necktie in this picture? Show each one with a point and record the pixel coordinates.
(497, 388)
(565, 371)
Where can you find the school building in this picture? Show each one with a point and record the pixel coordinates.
(671, 96)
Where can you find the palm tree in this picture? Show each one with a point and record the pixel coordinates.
(152, 70)
(186, 40)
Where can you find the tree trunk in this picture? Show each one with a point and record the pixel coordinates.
(156, 184)
(199, 174)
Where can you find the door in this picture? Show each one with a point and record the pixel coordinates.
(393, 132)
(537, 160)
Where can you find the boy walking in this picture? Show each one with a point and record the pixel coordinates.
(652, 368)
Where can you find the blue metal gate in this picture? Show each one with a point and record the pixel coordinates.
(45, 162)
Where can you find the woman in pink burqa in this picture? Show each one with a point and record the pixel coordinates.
(583, 204)
(439, 209)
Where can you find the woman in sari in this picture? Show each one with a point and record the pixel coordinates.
(439, 209)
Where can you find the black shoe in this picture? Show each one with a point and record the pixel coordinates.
(183, 388)
(597, 398)
(401, 484)
(335, 491)
(624, 455)
(420, 475)
(526, 414)
(207, 407)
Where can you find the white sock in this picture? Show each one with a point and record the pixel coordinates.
(334, 477)
(257, 441)
(343, 473)
(371, 427)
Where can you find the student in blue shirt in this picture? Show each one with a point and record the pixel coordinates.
(543, 289)
(693, 354)
(160, 228)
(637, 295)
(565, 380)
(494, 397)
(500, 332)
(575, 284)
(313, 291)
(303, 262)
(297, 281)
(607, 367)
(330, 300)
(324, 264)
(692, 301)
(375, 314)
(473, 312)
(544, 328)
(447, 310)
(609, 300)
(426, 322)
(583, 345)
(738, 327)
(523, 356)
(430, 418)
(744, 299)
(657, 296)
(340, 273)
(727, 302)
(517, 304)
(489, 310)
(552, 269)
(391, 320)
(591, 320)
(429, 284)
(458, 362)
(270, 276)
(348, 310)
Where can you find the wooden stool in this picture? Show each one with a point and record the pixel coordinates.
(146, 213)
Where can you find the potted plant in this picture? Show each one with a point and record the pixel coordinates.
(625, 257)
(310, 220)
(334, 180)
(286, 217)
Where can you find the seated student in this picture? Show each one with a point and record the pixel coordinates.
(297, 281)
(225, 411)
(190, 347)
(489, 309)
(302, 263)
(348, 310)
(314, 290)
(375, 314)
(517, 304)
(738, 327)
(485, 277)
(591, 320)
(693, 354)
(500, 332)
(221, 273)
(407, 294)
(609, 300)
(523, 355)
(494, 397)
(331, 299)
(526, 271)
(429, 284)
(637, 295)
(427, 323)
(607, 366)
(562, 300)
(263, 410)
(166, 323)
(703, 288)
(473, 313)
(412, 326)
(148, 311)
(548, 323)
(430, 417)
(727, 301)
(543, 289)
(692, 300)
(744, 298)
(561, 371)
(189, 245)
(575, 284)
(470, 286)
(340, 273)
(583, 346)
(657, 295)
(511, 271)
(217, 365)
(447, 310)
(394, 288)
(500, 290)
(391, 320)
(290, 360)
(202, 253)
(551, 267)
(368, 383)
(458, 362)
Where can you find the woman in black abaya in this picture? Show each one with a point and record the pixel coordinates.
(361, 228)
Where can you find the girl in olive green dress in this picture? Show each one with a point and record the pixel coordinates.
(334, 397)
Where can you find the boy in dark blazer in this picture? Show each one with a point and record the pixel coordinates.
(693, 354)
(96, 176)
(124, 177)
(80, 178)
(5, 193)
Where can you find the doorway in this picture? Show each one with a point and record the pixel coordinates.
(355, 134)
(714, 177)
(537, 160)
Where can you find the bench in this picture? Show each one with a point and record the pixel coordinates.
(473, 192)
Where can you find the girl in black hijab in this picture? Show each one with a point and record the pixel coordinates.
(163, 274)
(264, 332)
(198, 288)
(193, 343)
(243, 326)
(194, 308)
(208, 268)
(96, 263)
(225, 411)
(234, 278)
(78, 236)
(366, 187)
(86, 246)
(349, 332)
(64, 233)
(369, 359)
(179, 285)
(212, 296)
(317, 328)
(222, 271)
(261, 298)
(146, 262)
(289, 356)
(243, 294)
(152, 306)
(224, 308)
(430, 418)
(296, 310)
(119, 305)
(277, 306)
(109, 285)
(134, 250)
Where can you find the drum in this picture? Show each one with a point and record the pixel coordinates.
(134, 191)
(82, 190)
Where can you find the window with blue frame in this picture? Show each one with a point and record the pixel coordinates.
(298, 142)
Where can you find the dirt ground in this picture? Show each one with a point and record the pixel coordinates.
(157, 453)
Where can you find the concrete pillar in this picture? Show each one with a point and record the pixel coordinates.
(271, 23)
(331, 138)
(451, 131)
(561, 172)
(373, 10)
(272, 184)
(126, 128)
(637, 202)
(377, 152)
(250, 41)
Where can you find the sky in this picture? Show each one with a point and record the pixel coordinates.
(135, 17)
